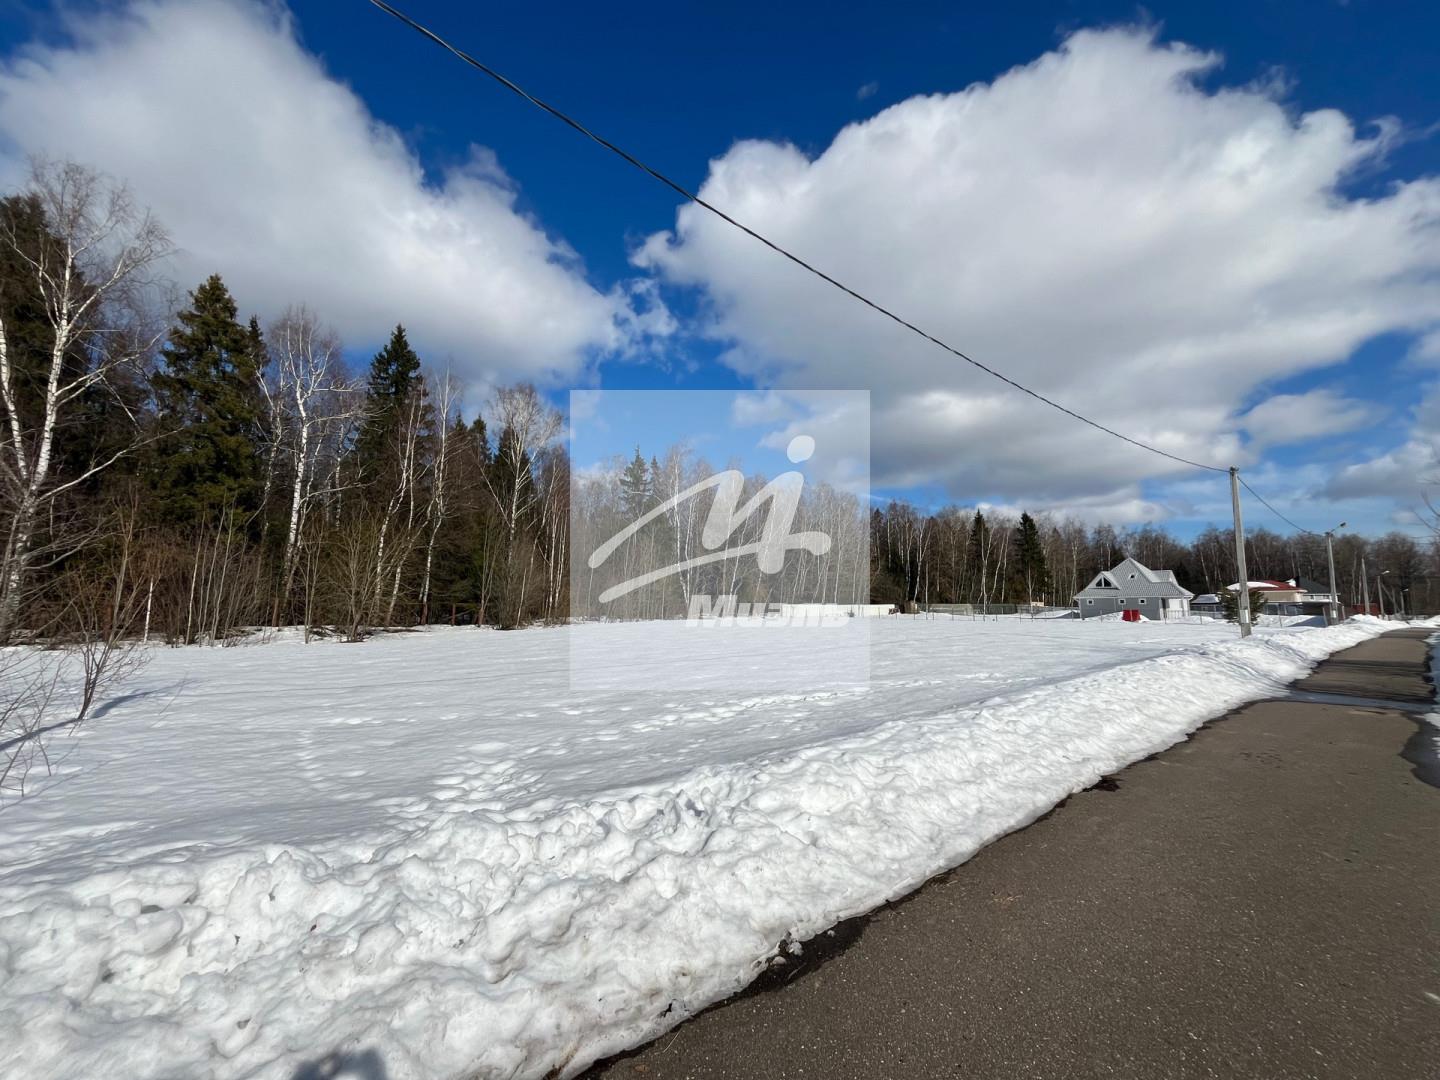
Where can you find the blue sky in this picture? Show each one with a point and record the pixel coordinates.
(544, 280)
(725, 428)
(679, 86)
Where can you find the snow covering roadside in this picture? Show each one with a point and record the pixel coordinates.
(205, 916)
(1432, 718)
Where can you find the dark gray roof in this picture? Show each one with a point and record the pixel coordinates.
(1131, 578)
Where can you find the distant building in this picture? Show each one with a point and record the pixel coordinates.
(1275, 592)
(1289, 597)
(1131, 586)
(1317, 592)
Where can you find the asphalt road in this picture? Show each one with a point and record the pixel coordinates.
(1260, 901)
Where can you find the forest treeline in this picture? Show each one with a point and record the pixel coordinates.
(191, 473)
(964, 555)
(172, 466)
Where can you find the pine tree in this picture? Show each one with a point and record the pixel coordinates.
(635, 487)
(394, 376)
(1230, 604)
(465, 555)
(1033, 576)
(978, 555)
(480, 441)
(512, 479)
(657, 484)
(207, 396)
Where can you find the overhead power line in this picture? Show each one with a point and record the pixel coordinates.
(692, 197)
(1282, 517)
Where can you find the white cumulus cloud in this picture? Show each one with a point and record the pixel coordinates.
(1098, 225)
(1409, 472)
(1293, 418)
(271, 172)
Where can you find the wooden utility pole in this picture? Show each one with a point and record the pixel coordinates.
(1242, 601)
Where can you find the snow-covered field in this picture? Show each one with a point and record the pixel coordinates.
(427, 854)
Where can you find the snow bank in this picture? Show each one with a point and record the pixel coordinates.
(1431, 733)
(272, 870)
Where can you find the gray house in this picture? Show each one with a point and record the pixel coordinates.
(1131, 586)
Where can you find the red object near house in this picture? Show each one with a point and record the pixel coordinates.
(1130, 615)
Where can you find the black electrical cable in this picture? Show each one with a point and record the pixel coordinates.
(1282, 517)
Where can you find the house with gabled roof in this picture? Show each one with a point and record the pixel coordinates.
(1294, 596)
(1132, 586)
(1273, 590)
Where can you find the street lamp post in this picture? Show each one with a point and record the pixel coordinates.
(1380, 591)
(1334, 589)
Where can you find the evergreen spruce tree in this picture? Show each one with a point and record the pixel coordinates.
(635, 487)
(1230, 604)
(512, 476)
(207, 396)
(464, 544)
(394, 376)
(658, 487)
(978, 556)
(480, 440)
(1032, 574)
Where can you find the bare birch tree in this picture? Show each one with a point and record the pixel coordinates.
(445, 394)
(90, 267)
(313, 403)
(400, 527)
(527, 425)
